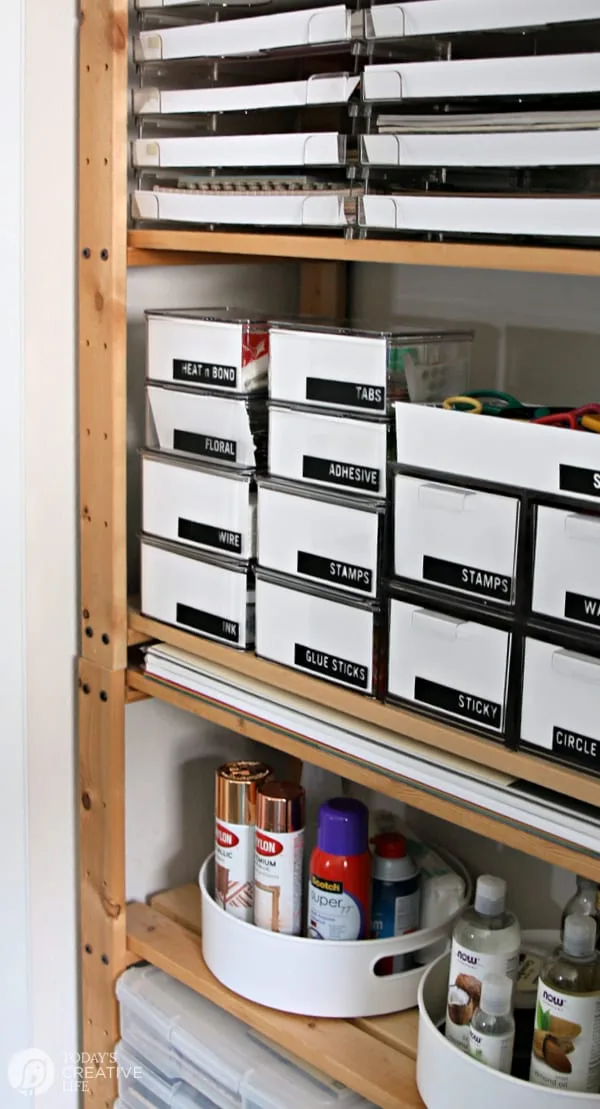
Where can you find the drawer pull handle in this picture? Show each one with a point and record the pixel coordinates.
(437, 624)
(445, 497)
(580, 667)
(583, 527)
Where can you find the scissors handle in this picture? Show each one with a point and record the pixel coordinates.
(463, 404)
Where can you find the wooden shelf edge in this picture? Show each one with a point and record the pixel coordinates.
(482, 821)
(208, 245)
(489, 753)
(343, 1050)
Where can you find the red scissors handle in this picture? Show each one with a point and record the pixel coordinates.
(569, 419)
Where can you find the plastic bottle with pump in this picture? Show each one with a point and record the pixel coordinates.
(584, 902)
(492, 1032)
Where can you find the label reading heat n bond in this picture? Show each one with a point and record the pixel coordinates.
(234, 868)
(204, 373)
(333, 914)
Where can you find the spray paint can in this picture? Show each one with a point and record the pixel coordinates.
(235, 818)
(339, 892)
(279, 857)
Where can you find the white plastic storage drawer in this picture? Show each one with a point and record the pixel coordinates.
(329, 539)
(209, 426)
(450, 665)
(200, 506)
(207, 347)
(456, 537)
(566, 573)
(561, 702)
(198, 592)
(317, 632)
(343, 453)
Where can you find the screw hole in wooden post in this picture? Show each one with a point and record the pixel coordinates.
(106, 639)
(86, 801)
(88, 949)
(105, 959)
(85, 687)
(103, 695)
(89, 632)
(86, 252)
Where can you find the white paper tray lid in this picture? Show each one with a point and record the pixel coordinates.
(437, 17)
(335, 88)
(318, 209)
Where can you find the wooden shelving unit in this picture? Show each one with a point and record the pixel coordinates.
(375, 1057)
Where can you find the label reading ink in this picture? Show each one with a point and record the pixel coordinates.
(580, 748)
(205, 373)
(207, 445)
(340, 473)
(350, 394)
(483, 583)
(207, 622)
(576, 479)
(210, 536)
(337, 573)
(332, 666)
(582, 608)
(455, 701)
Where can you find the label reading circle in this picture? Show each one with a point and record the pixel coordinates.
(332, 666)
(580, 748)
(459, 703)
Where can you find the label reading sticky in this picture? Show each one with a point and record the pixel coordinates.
(332, 666)
(459, 703)
(208, 445)
(576, 479)
(210, 536)
(580, 748)
(338, 573)
(582, 608)
(209, 623)
(205, 373)
(348, 393)
(470, 578)
(340, 473)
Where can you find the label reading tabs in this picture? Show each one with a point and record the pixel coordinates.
(337, 573)
(581, 748)
(576, 479)
(207, 445)
(210, 536)
(582, 608)
(205, 373)
(350, 394)
(340, 473)
(483, 583)
(207, 622)
(333, 667)
(467, 705)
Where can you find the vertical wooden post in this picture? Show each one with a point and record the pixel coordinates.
(323, 289)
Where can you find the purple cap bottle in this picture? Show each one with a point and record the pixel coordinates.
(339, 898)
(343, 827)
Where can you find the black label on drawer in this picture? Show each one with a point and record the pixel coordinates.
(349, 393)
(207, 445)
(338, 669)
(210, 536)
(580, 607)
(337, 573)
(463, 704)
(340, 473)
(580, 748)
(209, 623)
(575, 479)
(457, 576)
(205, 373)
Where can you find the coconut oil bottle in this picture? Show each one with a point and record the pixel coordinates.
(486, 941)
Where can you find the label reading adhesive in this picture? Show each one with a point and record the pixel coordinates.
(207, 445)
(483, 583)
(580, 748)
(341, 473)
(337, 573)
(576, 479)
(210, 536)
(332, 666)
(205, 373)
(348, 393)
(459, 703)
(207, 622)
(582, 608)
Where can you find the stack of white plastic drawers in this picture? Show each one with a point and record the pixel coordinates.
(243, 113)
(206, 436)
(178, 1050)
(321, 512)
(482, 118)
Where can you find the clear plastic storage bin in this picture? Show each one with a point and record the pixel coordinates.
(143, 1087)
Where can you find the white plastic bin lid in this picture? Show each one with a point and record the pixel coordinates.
(144, 1087)
(282, 1082)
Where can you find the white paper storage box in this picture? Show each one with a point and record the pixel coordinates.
(364, 371)
(502, 452)
(198, 592)
(340, 452)
(320, 88)
(456, 537)
(438, 17)
(306, 207)
(503, 147)
(560, 217)
(566, 571)
(314, 148)
(199, 505)
(216, 348)
(326, 538)
(318, 631)
(454, 666)
(227, 430)
(560, 711)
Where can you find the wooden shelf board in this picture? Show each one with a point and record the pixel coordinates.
(484, 752)
(458, 812)
(149, 247)
(345, 1051)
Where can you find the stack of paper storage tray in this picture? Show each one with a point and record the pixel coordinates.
(482, 118)
(178, 1050)
(244, 113)
(322, 511)
(206, 436)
